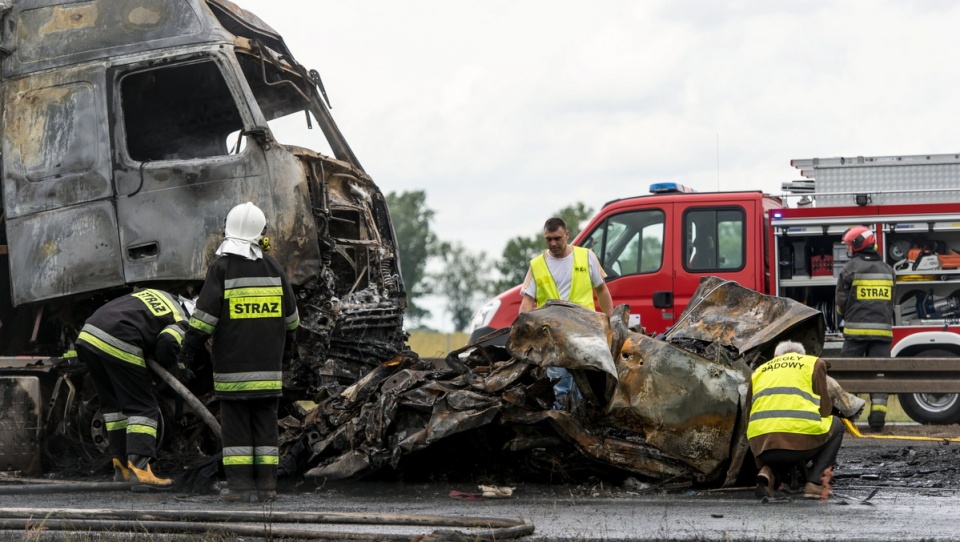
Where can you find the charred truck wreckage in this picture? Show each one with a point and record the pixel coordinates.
(130, 128)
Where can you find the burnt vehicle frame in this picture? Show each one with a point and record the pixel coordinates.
(671, 409)
(130, 128)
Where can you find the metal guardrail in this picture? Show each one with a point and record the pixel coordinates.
(896, 375)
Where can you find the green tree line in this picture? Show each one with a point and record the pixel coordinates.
(465, 282)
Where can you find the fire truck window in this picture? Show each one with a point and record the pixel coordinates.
(651, 253)
(594, 241)
(178, 112)
(714, 239)
(632, 243)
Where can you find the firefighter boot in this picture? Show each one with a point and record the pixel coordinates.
(236, 495)
(878, 411)
(877, 418)
(120, 473)
(266, 495)
(142, 471)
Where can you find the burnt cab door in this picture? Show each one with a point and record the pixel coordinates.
(635, 248)
(176, 173)
(715, 241)
(61, 225)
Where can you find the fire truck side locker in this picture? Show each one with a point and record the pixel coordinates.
(913, 205)
(884, 180)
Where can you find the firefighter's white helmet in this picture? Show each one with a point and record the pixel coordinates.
(245, 222)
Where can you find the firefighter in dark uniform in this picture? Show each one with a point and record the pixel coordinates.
(864, 300)
(249, 308)
(114, 344)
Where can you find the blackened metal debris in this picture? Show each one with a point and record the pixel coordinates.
(653, 407)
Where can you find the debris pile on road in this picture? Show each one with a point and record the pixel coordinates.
(666, 408)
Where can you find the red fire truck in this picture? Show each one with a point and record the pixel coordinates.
(655, 249)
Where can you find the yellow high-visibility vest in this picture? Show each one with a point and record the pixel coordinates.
(581, 290)
(783, 398)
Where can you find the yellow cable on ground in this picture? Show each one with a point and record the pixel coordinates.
(856, 432)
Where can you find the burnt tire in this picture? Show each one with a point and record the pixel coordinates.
(932, 408)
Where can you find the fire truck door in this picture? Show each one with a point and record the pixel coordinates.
(714, 243)
(635, 250)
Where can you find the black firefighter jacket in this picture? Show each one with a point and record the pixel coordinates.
(864, 298)
(250, 309)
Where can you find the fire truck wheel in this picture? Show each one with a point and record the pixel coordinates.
(932, 408)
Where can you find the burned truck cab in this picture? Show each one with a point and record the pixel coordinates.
(131, 127)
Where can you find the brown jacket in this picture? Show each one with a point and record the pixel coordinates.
(792, 441)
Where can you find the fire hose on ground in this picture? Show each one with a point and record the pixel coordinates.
(260, 523)
(242, 523)
(47, 486)
(190, 398)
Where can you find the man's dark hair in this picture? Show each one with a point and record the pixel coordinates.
(554, 224)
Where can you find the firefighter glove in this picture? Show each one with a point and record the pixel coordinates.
(184, 374)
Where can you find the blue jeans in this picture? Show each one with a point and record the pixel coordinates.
(562, 385)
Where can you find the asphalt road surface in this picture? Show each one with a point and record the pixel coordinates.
(914, 486)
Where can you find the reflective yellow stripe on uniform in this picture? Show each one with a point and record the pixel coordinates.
(293, 321)
(266, 460)
(246, 282)
(116, 426)
(253, 385)
(853, 332)
(142, 425)
(175, 332)
(266, 455)
(872, 329)
(237, 455)
(253, 292)
(114, 421)
(248, 381)
(204, 322)
(110, 345)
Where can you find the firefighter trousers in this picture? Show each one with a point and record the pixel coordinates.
(855, 348)
(127, 402)
(250, 443)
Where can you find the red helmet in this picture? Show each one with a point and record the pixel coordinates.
(860, 238)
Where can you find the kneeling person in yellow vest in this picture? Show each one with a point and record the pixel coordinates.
(568, 273)
(790, 420)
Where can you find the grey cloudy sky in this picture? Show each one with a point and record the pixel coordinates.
(504, 111)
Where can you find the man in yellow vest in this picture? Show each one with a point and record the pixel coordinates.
(569, 273)
(791, 422)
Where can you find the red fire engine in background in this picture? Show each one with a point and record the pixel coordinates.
(655, 249)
